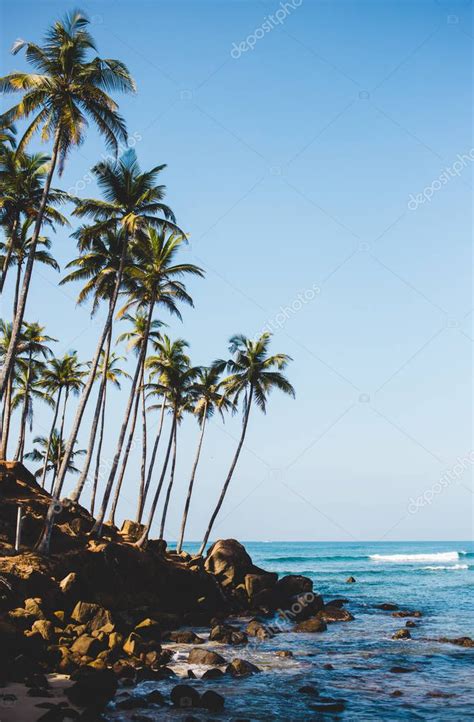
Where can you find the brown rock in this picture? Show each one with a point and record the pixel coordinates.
(241, 668)
(225, 634)
(184, 637)
(44, 628)
(387, 606)
(87, 646)
(205, 656)
(134, 645)
(93, 615)
(311, 625)
(255, 629)
(350, 580)
(405, 613)
(333, 614)
(149, 629)
(458, 641)
(293, 584)
(257, 583)
(401, 634)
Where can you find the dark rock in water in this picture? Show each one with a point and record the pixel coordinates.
(387, 606)
(397, 693)
(401, 670)
(183, 637)
(459, 641)
(337, 602)
(255, 629)
(183, 695)
(293, 584)
(327, 704)
(229, 562)
(212, 701)
(190, 674)
(302, 606)
(350, 580)
(214, 673)
(334, 614)
(309, 689)
(439, 695)
(328, 665)
(205, 656)
(226, 634)
(241, 668)
(155, 697)
(37, 680)
(285, 653)
(405, 613)
(410, 623)
(401, 634)
(132, 703)
(257, 583)
(93, 688)
(311, 625)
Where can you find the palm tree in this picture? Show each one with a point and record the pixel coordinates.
(175, 383)
(67, 88)
(72, 384)
(32, 342)
(207, 398)
(135, 338)
(50, 453)
(151, 279)
(22, 179)
(131, 199)
(253, 375)
(5, 336)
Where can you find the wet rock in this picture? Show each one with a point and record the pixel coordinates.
(387, 606)
(339, 602)
(401, 670)
(214, 673)
(212, 701)
(327, 704)
(397, 693)
(350, 580)
(225, 634)
(123, 670)
(255, 629)
(241, 668)
(93, 688)
(285, 653)
(87, 646)
(312, 625)
(205, 656)
(155, 697)
(301, 607)
(328, 665)
(257, 583)
(293, 584)
(405, 613)
(184, 637)
(309, 689)
(132, 703)
(401, 634)
(458, 641)
(410, 623)
(190, 674)
(229, 562)
(437, 694)
(334, 614)
(183, 695)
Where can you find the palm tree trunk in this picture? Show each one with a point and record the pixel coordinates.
(229, 475)
(18, 320)
(99, 452)
(7, 414)
(126, 454)
(53, 426)
(143, 496)
(24, 414)
(93, 369)
(6, 262)
(191, 484)
(17, 288)
(77, 491)
(141, 542)
(170, 485)
(144, 442)
(97, 528)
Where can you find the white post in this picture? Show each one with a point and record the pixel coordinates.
(19, 520)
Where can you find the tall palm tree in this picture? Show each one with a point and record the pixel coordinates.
(135, 338)
(175, 383)
(5, 336)
(131, 198)
(207, 399)
(68, 87)
(73, 383)
(253, 375)
(152, 279)
(49, 453)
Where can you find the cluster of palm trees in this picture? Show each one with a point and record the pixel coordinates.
(128, 262)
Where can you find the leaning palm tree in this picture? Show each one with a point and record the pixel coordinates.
(50, 452)
(208, 398)
(152, 279)
(132, 200)
(253, 375)
(5, 336)
(68, 87)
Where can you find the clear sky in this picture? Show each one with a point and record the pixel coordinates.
(305, 156)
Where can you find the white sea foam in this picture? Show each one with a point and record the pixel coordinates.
(453, 567)
(415, 558)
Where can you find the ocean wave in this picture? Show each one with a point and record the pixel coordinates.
(453, 567)
(415, 558)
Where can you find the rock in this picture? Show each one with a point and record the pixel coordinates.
(205, 656)
(115, 640)
(184, 637)
(149, 629)
(87, 646)
(328, 665)
(183, 695)
(405, 613)
(34, 607)
(410, 623)
(191, 674)
(285, 653)
(327, 704)
(397, 693)
(301, 607)
(132, 703)
(293, 584)
(93, 688)
(350, 580)
(401, 670)
(458, 641)
(44, 628)
(93, 615)
(311, 625)
(69, 583)
(155, 697)
(387, 606)
(214, 673)
(212, 701)
(132, 530)
(134, 645)
(225, 634)
(333, 614)
(401, 634)
(229, 562)
(339, 602)
(257, 583)
(241, 668)
(123, 670)
(309, 689)
(437, 694)
(255, 629)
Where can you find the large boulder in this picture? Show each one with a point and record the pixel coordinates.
(93, 688)
(293, 584)
(87, 646)
(226, 634)
(241, 668)
(229, 562)
(256, 629)
(311, 625)
(206, 657)
(93, 615)
(332, 614)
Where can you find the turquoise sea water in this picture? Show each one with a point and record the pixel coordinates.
(433, 577)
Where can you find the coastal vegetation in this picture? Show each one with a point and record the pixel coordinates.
(129, 263)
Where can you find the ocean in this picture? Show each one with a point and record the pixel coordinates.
(352, 661)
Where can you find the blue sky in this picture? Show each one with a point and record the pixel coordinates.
(292, 167)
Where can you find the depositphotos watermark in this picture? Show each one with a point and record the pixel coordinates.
(453, 474)
(270, 22)
(291, 309)
(443, 179)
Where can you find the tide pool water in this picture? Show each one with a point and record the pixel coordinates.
(353, 660)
